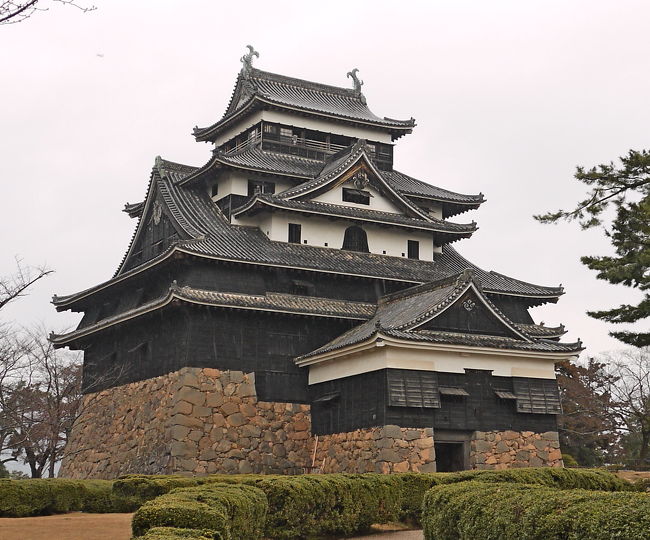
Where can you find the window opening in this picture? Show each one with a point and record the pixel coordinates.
(355, 239)
(260, 186)
(413, 249)
(358, 196)
(295, 230)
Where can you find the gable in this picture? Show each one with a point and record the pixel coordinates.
(469, 314)
(361, 179)
(156, 232)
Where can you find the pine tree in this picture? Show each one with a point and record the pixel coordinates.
(627, 189)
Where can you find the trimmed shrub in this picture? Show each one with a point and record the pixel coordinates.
(142, 488)
(332, 504)
(413, 488)
(548, 476)
(569, 460)
(231, 511)
(506, 511)
(173, 533)
(44, 496)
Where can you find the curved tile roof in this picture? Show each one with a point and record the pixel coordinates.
(212, 236)
(463, 230)
(306, 96)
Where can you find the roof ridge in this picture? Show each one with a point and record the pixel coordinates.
(302, 83)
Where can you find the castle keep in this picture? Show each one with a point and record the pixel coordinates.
(296, 304)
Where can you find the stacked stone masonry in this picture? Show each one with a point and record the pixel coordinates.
(193, 421)
(203, 421)
(384, 449)
(510, 449)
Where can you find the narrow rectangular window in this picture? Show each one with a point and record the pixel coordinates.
(259, 186)
(294, 233)
(356, 196)
(413, 249)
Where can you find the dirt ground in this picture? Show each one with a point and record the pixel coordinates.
(633, 476)
(78, 526)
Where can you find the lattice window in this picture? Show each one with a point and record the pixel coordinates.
(537, 396)
(413, 389)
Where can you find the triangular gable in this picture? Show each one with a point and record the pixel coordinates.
(468, 310)
(157, 229)
(358, 169)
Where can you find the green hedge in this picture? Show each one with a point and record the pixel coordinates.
(548, 476)
(332, 504)
(173, 533)
(232, 511)
(37, 497)
(505, 511)
(345, 503)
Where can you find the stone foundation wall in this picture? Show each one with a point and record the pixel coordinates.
(510, 449)
(193, 421)
(384, 449)
(203, 421)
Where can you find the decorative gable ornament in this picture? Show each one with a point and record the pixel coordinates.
(360, 179)
(157, 212)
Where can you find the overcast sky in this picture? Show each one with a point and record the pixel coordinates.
(509, 97)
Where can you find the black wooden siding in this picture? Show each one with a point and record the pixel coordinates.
(363, 401)
(196, 336)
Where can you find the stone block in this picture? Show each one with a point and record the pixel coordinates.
(535, 461)
(236, 376)
(522, 455)
(184, 420)
(188, 378)
(540, 444)
(392, 431)
(229, 408)
(180, 449)
(502, 446)
(482, 446)
(179, 432)
(248, 410)
(182, 407)
(412, 434)
(511, 435)
(202, 412)
(246, 390)
(236, 419)
(427, 467)
(195, 435)
(401, 467)
(427, 442)
(212, 373)
(550, 436)
(191, 395)
(218, 420)
(245, 467)
(387, 454)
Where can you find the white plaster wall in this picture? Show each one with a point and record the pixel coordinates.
(239, 127)
(502, 365)
(319, 231)
(303, 122)
(377, 201)
(236, 183)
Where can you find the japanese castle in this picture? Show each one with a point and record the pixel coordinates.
(296, 304)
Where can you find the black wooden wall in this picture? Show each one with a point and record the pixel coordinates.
(361, 401)
(198, 336)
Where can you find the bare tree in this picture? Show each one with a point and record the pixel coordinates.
(630, 396)
(42, 404)
(15, 11)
